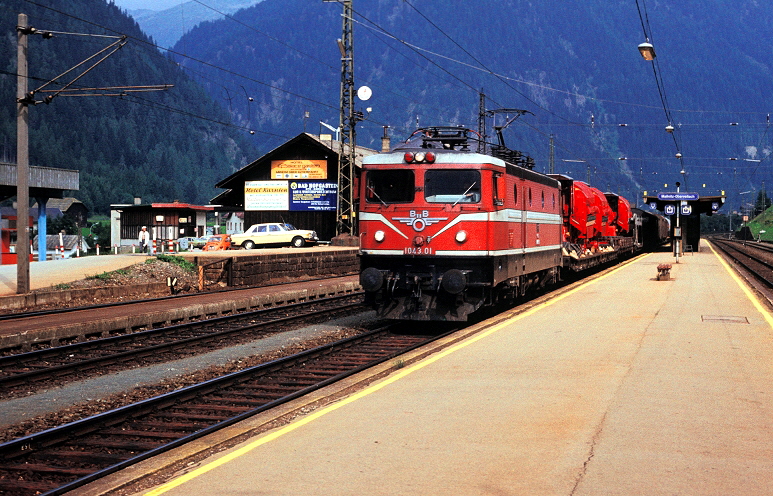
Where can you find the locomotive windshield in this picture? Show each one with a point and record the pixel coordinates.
(389, 186)
(452, 186)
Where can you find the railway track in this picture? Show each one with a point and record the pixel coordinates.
(96, 357)
(61, 459)
(756, 258)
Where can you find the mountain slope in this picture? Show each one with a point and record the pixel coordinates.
(158, 146)
(168, 25)
(576, 69)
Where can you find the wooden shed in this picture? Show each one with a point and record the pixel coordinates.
(296, 183)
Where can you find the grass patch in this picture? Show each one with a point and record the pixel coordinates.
(106, 276)
(62, 286)
(174, 259)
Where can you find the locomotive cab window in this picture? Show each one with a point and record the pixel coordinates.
(389, 186)
(452, 186)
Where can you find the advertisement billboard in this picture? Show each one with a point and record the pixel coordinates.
(266, 195)
(313, 196)
(295, 196)
(298, 169)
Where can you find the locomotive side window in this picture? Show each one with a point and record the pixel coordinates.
(452, 186)
(389, 186)
(515, 194)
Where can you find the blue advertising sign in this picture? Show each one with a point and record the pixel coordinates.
(310, 196)
(678, 196)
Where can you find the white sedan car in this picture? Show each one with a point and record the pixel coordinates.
(273, 234)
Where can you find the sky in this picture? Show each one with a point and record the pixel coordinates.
(147, 4)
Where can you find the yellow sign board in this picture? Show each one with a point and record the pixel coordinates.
(299, 169)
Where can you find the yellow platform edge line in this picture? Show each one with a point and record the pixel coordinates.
(168, 486)
(744, 287)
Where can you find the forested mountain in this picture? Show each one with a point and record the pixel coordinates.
(576, 67)
(160, 146)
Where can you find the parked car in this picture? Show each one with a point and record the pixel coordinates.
(199, 242)
(218, 242)
(185, 243)
(273, 234)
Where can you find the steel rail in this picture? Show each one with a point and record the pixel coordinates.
(39, 456)
(739, 252)
(170, 336)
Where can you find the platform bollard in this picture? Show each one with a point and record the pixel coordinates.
(97, 250)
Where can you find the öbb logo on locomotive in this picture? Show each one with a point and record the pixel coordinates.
(419, 220)
(506, 229)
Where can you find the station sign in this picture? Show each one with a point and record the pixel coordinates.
(669, 209)
(653, 205)
(714, 206)
(686, 209)
(678, 196)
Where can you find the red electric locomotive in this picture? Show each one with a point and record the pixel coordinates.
(445, 230)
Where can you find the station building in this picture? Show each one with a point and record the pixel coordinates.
(295, 183)
(165, 221)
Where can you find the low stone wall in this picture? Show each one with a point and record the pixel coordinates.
(272, 268)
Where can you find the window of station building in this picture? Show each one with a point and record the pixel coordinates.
(452, 186)
(389, 186)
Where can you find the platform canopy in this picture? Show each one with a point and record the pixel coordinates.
(46, 182)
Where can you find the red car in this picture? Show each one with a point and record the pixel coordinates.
(218, 242)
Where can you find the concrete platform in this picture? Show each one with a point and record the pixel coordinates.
(621, 385)
(52, 272)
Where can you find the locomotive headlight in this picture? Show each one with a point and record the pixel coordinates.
(379, 236)
(461, 236)
(419, 157)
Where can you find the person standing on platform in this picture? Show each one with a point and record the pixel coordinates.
(144, 239)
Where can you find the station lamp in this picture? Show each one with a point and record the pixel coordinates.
(647, 50)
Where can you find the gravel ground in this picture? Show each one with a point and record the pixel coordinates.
(154, 270)
(62, 405)
(48, 409)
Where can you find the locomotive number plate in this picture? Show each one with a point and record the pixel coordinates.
(417, 250)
